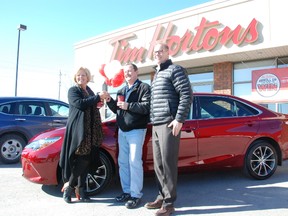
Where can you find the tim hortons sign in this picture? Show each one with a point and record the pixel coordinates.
(206, 37)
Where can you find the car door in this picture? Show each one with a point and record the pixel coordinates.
(7, 122)
(225, 128)
(188, 149)
(58, 112)
(188, 144)
(30, 117)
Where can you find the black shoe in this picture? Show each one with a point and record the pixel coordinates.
(123, 197)
(133, 202)
(81, 194)
(67, 193)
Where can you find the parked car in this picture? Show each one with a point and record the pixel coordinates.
(23, 117)
(221, 131)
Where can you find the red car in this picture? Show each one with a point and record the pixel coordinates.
(221, 131)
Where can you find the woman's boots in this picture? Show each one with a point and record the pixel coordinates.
(79, 192)
(67, 193)
(81, 195)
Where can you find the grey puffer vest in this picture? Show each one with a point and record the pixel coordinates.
(171, 94)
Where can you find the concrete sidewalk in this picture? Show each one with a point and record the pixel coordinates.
(218, 194)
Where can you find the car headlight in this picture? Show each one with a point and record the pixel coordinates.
(42, 143)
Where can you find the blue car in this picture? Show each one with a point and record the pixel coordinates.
(23, 117)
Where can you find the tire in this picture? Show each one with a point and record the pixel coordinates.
(11, 146)
(261, 160)
(101, 178)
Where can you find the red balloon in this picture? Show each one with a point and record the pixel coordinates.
(108, 82)
(118, 78)
(112, 73)
(112, 68)
(101, 70)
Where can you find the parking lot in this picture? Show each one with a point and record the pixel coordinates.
(207, 193)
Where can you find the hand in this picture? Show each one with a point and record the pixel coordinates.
(108, 99)
(104, 95)
(176, 127)
(100, 104)
(122, 105)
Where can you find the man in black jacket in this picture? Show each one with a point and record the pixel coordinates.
(171, 98)
(132, 107)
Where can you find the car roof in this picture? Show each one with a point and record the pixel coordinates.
(16, 98)
(220, 94)
(211, 94)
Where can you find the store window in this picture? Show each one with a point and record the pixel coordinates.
(201, 81)
(282, 62)
(277, 107)
(242, 80)
(242, 76)
(281, 107)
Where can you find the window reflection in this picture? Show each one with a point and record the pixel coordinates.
(202, 82)
(242, 80)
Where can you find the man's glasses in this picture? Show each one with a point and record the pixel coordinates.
(159, 51)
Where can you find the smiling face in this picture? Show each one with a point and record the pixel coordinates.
(130, 74)
(82, 78)
(161, 53)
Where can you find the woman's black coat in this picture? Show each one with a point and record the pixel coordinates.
(75, 126)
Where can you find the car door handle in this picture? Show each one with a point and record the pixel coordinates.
(188, 129)
(249, 123)
(20, 119)
(59, 121)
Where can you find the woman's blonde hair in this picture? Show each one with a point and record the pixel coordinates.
(87, 72)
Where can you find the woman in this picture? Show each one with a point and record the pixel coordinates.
(80, 149)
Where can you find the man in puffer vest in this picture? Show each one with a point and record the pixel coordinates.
(171, 98)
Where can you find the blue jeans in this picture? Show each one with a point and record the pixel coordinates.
(130, 161)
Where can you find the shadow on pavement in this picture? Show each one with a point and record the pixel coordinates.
(209, 192)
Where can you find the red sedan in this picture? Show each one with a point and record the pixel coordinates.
(221, 131)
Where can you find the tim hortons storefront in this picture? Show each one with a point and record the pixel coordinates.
(237, 47)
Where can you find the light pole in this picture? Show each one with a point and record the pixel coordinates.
(20, 28)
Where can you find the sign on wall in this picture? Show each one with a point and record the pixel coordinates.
(270, 85)
(205, 37)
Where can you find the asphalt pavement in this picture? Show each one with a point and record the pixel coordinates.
(218, 193)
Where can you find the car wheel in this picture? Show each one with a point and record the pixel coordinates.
(101, 178)
(11, 146)
(261, 160)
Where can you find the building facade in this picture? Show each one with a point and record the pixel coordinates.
(237, 47)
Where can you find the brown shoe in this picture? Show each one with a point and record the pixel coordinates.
(157, 204)
(165, 211)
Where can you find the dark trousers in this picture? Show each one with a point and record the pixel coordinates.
(79, 171)
(165, 156)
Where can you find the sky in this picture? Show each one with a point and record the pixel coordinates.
(46, 53)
